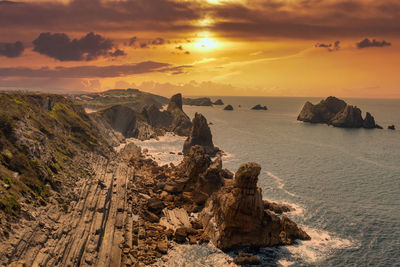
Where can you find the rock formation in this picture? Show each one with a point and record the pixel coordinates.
(200, 135)
(391, 127)
(203, 101)
(259, 107)
(336, 112)
(219, 102)
(234, 216)
(181, 124)
(228, 107)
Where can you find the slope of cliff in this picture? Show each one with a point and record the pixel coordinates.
(42, 138)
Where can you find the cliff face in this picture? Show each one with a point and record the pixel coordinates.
(41, 139)
(200, 135)
(150, 123)
(234, 217)
(336, 112)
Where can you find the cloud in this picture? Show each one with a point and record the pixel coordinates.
(137, 43)
(11, 50)
(330, 47)
(94, 71)
(61, 47)
(366, 43)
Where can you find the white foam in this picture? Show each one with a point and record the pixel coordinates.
(321, 245)
(280, 183)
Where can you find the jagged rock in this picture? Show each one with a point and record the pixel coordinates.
(350, 117)
(203, 101)
(157, 118)
(369, 122)
(336, 112)
(155, 205)
(392, 127)
(180, 235)
(234, 216)
(246, 259)
(181, 123)
(277, 208)
(228, 107)
(259, 107)
(219, 102)
(200, 135)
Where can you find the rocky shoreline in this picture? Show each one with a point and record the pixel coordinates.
(129, 211)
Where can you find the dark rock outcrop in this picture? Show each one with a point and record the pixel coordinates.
(181, 124)
(228, 107)
(392, 127)
(234, 216)
(200, 135)
(203, 101)
(336, 112)
(219, 102)
(259, 107)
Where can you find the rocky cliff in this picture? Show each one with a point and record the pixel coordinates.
(336, 112)
(200, 135)
(203, 101)
(234, 216)
(149, 123)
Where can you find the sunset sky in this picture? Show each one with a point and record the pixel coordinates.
(203, 47)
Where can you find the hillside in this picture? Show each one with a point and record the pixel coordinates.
(132, 98)
(43, 140)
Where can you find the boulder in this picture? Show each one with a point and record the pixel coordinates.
(228, 107)
(200, 135)
(259, 107)
(218, 102)
(391, 127)
(336, 112)
(234, 216)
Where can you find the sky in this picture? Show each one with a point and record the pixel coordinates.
(302, 48)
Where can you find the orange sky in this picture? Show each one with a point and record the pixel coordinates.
(204, 47)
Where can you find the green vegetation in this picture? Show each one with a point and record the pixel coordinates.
(39, 137)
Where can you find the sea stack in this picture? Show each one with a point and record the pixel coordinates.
(218, 102)
(259, 107)
(181, 124)
(336, 112)
(228, 107)
(234, 217)
(200, 135)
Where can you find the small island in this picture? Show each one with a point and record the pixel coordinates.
(338, 113)
(259, 107)
(228, 107)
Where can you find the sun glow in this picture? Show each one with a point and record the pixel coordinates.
(205, 43)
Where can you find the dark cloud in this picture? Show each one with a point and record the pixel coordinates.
(141, 43)
(330, 47)
(179, 47)
(93, 71)
(158, 41)
(366, 43)
(11, 50)
(61, 47)
(117, 53)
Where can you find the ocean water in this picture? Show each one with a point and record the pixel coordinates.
(344, 183)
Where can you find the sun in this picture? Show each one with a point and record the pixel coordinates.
(205, 43)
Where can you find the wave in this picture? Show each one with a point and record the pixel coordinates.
(280, 183)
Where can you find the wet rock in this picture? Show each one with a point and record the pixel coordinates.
(200, 135)
(234, 216)
(277, 208)
(246, 259)
(228, 107)
(259, 107)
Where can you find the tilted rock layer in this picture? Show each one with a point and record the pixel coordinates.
(336, 112)
(234, 217)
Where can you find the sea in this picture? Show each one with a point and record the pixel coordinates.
(343, 183)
